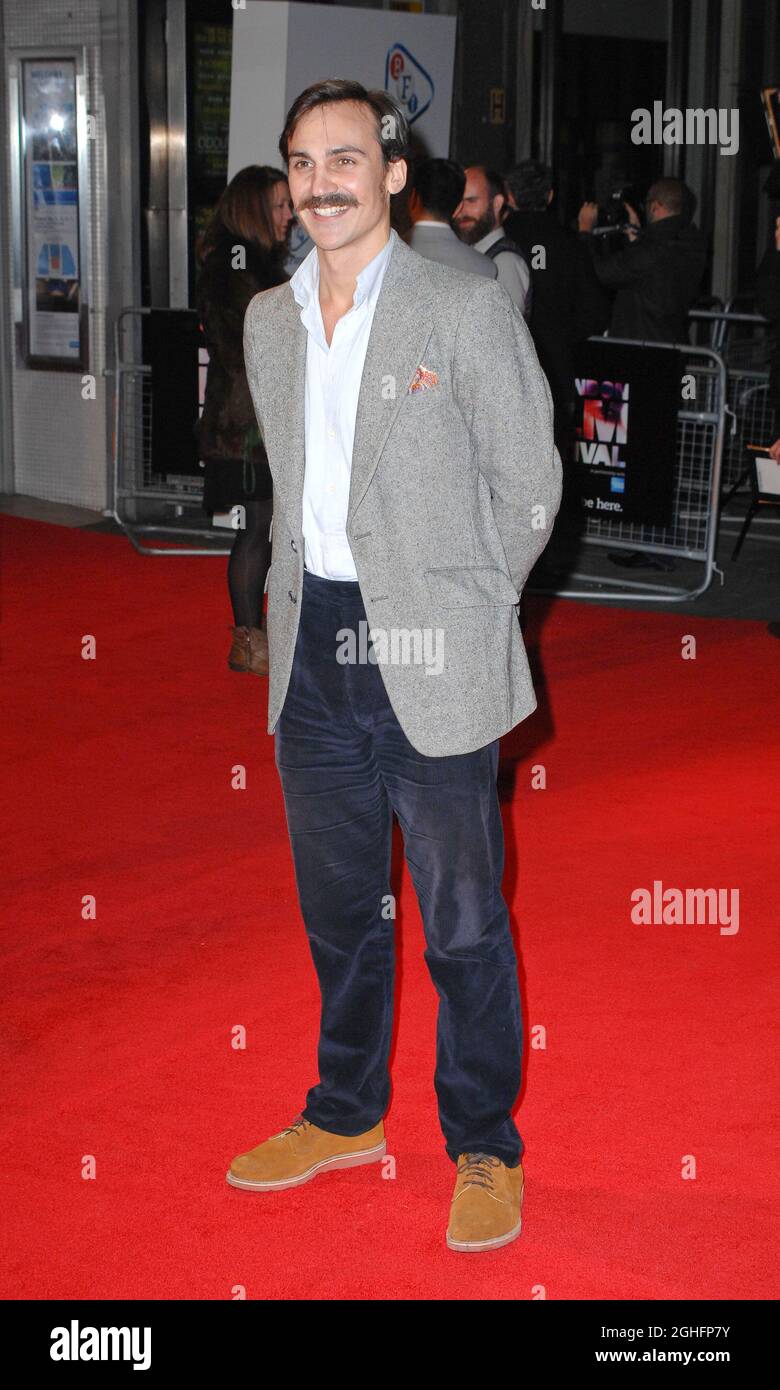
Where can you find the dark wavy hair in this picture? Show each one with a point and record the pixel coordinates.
(394, 145)
(439, 184)
(530, 184)
(244, 211)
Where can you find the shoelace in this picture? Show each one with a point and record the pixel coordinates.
(477, 1168)
(297, 1127)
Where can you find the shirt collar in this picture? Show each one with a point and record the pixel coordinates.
(305, 283)
(486, 241)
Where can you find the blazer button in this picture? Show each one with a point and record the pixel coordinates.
(294, 546)
(291, 596)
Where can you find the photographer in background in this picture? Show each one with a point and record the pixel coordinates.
(657, 275)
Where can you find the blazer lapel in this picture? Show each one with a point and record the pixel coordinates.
(401, 328)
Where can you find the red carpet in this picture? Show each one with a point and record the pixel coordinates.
(117, 1033)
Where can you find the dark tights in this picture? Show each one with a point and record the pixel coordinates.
(248, 565)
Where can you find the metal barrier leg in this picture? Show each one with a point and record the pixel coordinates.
(175, 549)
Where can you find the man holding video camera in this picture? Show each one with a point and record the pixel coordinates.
(656, 276)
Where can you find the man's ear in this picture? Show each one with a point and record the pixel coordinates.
(396, 175)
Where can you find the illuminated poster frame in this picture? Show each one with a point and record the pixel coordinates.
(52, 197)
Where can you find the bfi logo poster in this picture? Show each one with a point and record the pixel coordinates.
(279, 49)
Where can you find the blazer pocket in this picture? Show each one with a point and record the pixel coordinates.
(415, 402)
(470, 586)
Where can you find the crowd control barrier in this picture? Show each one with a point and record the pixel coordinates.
(733, 333)
(746, 347)
(158, 479)
(157, 476)
(692, 532)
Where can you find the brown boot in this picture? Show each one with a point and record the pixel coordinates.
(485, 1210)
(258, 651)
(238, 658)
(299, 1153)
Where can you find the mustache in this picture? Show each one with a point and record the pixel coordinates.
(333, 200)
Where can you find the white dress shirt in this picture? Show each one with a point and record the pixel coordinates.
(333, 376)
(513, 273)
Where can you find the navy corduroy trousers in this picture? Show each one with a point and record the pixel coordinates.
(345, 766)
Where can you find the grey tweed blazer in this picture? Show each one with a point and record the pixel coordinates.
(454, 490)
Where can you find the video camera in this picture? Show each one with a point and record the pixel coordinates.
(612, 220)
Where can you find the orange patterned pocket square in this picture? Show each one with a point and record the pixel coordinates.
(423, 380)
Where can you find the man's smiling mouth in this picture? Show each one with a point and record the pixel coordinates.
(330, 212)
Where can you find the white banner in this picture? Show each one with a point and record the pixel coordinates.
(279, 49)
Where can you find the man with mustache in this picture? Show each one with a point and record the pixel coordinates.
(409, 432)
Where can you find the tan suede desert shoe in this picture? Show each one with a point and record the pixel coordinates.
(485, 1210)
(299, 1153)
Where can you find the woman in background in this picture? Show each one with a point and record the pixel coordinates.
(241, 252)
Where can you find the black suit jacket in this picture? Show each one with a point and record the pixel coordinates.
(768, 304)
(568, 304)
(656, 280)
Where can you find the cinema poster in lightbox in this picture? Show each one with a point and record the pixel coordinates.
(626, 402)
(51, 245)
